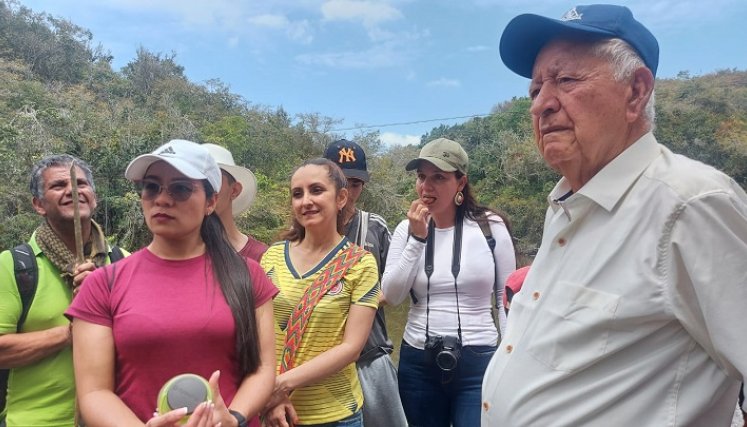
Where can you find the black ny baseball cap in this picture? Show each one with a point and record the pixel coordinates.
(350, 157)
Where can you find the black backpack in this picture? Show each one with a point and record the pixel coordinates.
(27, 278)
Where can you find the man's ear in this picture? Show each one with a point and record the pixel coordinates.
(641, 88)
(342, 198)
(38, 206)
(236, 189)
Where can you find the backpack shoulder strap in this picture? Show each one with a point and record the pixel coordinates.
(482, 221)
(115, 254)
(27, 277)
(363, 229)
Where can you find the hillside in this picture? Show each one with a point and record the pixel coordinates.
(59, 93)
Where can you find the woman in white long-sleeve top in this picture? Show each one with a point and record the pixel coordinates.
(450, 334)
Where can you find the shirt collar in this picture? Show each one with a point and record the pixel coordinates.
(608, 186)
(34, 246)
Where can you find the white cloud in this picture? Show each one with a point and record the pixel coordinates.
(380, 35)
(681, 15)
(402, 48)
(218, 13)
(298, 31)
(480, 48)
(277, 22)
(677, 14)
(444, 82)
(370, 13)
(233, 41)
(380, 56)
(391, 139)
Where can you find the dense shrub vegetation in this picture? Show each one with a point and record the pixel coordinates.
(58, 93)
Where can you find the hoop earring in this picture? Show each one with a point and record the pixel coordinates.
(459, 198)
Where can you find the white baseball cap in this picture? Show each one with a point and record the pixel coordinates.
(189, 158)
(241, 174)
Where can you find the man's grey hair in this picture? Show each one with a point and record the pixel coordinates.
(36, 185)
(624, 61)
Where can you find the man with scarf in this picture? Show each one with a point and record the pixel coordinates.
(41, 385)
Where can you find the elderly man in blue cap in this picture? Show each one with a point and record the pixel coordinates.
(632, 311)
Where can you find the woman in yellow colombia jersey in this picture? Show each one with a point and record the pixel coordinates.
(329, 293)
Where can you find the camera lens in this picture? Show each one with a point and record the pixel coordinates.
(446, 360)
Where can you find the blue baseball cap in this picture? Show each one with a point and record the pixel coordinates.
(527, 34)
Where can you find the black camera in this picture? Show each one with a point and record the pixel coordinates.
(444, 351)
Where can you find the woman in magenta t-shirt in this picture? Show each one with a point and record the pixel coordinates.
(187, 303)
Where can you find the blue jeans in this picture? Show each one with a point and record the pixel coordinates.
(355, 420)
(434, 398)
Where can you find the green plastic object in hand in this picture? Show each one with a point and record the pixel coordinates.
(184, 391)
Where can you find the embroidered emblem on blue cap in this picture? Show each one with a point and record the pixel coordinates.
(571, 15)
(347, 155)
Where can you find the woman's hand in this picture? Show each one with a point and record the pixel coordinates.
(220, 412)
(281, 415)
(418, 215)
(201, 417)
(280, 393)
(276, 398)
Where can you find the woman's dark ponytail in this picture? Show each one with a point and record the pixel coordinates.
(231, 272)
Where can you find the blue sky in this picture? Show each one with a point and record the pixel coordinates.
(371, 62)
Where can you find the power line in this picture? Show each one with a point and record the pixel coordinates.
(409, 123)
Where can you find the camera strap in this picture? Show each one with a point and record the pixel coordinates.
(456, 261)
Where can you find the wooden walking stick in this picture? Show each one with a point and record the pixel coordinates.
(79, 256)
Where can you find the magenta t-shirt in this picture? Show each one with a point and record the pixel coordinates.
(253, 249)
(167, 318)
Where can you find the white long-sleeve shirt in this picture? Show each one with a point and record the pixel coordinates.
(405, 270)
(633, 312)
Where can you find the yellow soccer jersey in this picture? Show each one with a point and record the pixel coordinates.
(339, 395)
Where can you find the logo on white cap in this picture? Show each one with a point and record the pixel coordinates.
(571, 15)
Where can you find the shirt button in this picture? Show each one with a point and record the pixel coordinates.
(535, 295)
(509, 348)
(485, 406)
(561, 241)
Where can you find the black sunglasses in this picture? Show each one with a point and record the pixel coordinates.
(177, 190)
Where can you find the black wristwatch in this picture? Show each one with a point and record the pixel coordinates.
(240, 418)
(417, 238)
